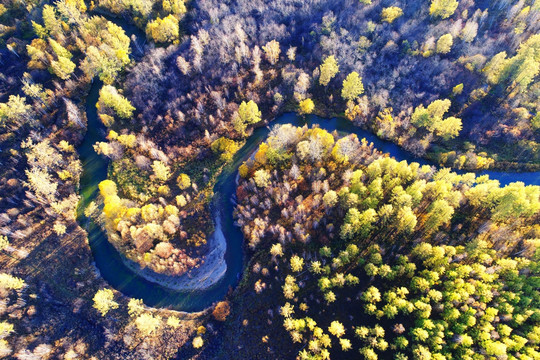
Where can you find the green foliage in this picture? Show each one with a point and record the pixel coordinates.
(249, 112)
(431, 118)
(110, 98)
(416, 298)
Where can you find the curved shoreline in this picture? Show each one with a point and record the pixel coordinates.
(197, 289)
(200, 278)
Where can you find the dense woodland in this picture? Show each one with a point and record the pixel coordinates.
(385, 259)
(348, 253)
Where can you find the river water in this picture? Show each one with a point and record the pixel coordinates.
(108, 259)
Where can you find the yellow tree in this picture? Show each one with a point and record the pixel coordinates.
(104, 301)
(272, 51)
(109, 97)
(306, 106)
(444, 44)
(163, 30)
(352, 86)
(443, 8)
(183, 181)
(391, 13)
(147, 323)
(249, 112)
(329, 69)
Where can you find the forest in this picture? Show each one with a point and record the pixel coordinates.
(194, 179)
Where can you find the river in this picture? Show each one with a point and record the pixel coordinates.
(108, 260)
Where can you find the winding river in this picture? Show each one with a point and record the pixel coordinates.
(108, 260)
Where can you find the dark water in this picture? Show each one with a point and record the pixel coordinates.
(107, 258)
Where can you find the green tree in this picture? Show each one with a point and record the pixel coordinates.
(109, 97)
(63, 68)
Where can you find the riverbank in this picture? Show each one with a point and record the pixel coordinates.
(208, 273)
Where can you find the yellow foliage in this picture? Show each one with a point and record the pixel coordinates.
(107, 120)
(183, 181)
(306, 106)
(260, 155)
(164, 190)
(171, 210)
(129, 141)
(107, 188)
(163, 30)
(149, 212)
(391, 13)
(132, 212)
(9, 282)
(243, 170)
(181, 200)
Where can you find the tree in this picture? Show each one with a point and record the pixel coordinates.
(163, 30)
(226, 147)
(443, 8)
(444, 44)
(276, 250)
(337, 329)
(161, 171)
(391, 13)
(147, 323)
(439, 213)
(198, 342)
(352, 86)
(328, 69)
(432, 119)
(15, 108)
(306, 106)
(272, 51)
(9, 282)
(173, 322)
(104, 301)
(63, 68)
(221, 311)
(135, 307)
(330, 199)
(262, 178)
(448, 128)
(109, 97)
(4, 243)
(183, 181)
(297, 263)
(249, 112)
